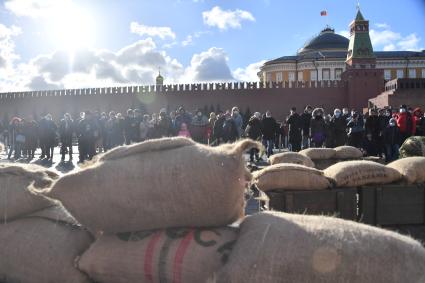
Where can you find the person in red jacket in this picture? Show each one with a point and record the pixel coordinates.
(418, 115)
(406, 123)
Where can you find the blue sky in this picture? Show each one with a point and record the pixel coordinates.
(48, 44)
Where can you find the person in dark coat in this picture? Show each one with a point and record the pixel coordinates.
(30, 131)
(305, 126)
(16, 138)
(253, 131)
(356, 130)
(329, 132)
(164, 125)
(88, 133)
(392, 139)
(128, 126)
(372, 125)
(218, 128)
(339, 128)
(66, 132)
(294, 132)
(370, 146)
(48, 130)
(317, 128)
(418, 115)
(269, 128)
(230, 132)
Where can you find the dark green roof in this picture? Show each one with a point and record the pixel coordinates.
(359, 16)
(327, 39)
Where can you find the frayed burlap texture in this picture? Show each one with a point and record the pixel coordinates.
(16, 180)
(291, 157)
(170, 182)
(279, 247)
(36, 250)
(56, 213)
(319, 153)
(171, 255)
(285, 176)
(412, 168)
(359, 173)
(348, 152)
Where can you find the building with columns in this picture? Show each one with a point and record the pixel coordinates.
(324, 58)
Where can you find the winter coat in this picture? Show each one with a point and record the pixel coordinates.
(406, 123)
(372, 125)
(230, 132)
(305, 119)
(269, 128)
(392, 135)
(294, 123)
(66, 129)
(253, 129)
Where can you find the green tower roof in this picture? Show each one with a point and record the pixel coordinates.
(359, 16)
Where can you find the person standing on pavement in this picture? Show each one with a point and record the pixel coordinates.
(66, 132)
(339, 127)
(88, 133)
(305, 126)
(269, 129)
(237, 117)
(253, 131)
(294, 132)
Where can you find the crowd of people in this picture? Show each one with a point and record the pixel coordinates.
(379, 132)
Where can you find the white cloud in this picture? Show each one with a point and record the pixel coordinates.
(410, 42)
(382, 25)
(383, 37)
(210, 65)
(390, 47)
(225, 19)
(344, 33)
(7, 45)
(36, 8)
(161, 32)
(249, 73)
(190, 38)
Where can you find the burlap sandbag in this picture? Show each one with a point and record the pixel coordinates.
(36, 250)
(319, 153)
(285, 176)
(279, 247)
(411, 168)
(56, 213)
(170, 182)
(413, 146)
(15, 197)
(348, 152)
(172, 255)
(359, 173)
(291, 157)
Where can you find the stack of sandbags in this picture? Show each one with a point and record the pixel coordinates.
(279, 247)
(15, 197)
(413, 146)
(411, 168)
(40, 240)
(348, 152)
(135, 194)
(291, 157)
(359, 173)
(285, 176)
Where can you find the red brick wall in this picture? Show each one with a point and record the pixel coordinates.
(278, 100)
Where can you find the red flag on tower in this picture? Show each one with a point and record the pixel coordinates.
(323, 13)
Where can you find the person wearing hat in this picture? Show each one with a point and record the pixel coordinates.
(305, 125)
(406, 123)
(391, 140)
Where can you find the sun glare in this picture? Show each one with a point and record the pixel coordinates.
(71, 27)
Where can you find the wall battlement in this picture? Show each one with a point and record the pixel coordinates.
(174, 89)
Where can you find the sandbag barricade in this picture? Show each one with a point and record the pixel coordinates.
(278, 247)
